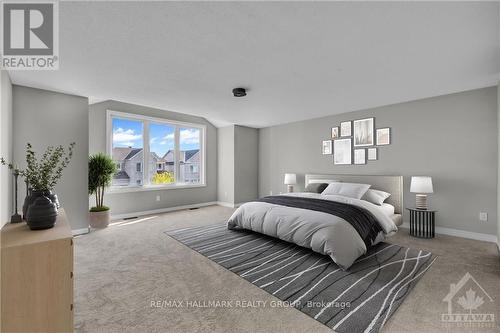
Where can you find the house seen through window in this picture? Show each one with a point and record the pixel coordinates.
(155, 152)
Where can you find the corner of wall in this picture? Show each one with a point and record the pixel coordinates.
(6, 151)
(498, 166)
(6, 146)
(246, 164)
(225, 165)
(238, 164)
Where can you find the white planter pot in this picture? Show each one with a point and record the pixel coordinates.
(99, 220)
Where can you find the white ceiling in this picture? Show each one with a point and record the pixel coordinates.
(299, 60)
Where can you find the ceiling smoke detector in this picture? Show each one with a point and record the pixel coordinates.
(239, 92)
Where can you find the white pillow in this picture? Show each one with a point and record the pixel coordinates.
(375, 196)
(350, 190)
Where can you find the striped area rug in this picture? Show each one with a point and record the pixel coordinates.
(358, 300)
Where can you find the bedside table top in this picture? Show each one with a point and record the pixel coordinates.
(421, 210)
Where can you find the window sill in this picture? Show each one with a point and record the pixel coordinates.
(116, 190)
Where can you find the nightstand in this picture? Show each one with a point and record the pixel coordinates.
(422, 222)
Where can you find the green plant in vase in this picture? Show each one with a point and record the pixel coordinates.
(41, 176)
(101, 171)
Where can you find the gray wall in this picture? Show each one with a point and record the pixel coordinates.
(5, 147)
(132, 202)
(498, 184)
(225, 167)
(246, 164)
(238, 166)
(45, 118)
(452, 138)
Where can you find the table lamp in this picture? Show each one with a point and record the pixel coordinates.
(421, 185)
(290, 180)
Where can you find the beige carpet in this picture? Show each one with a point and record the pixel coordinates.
(121, 270)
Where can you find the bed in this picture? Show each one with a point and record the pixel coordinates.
(342, 227)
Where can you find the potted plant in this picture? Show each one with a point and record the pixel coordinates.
(101, 171)
(41, 176)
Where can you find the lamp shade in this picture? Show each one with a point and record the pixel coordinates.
(290, 179)
(421, 184)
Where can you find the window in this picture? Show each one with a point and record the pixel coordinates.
(161, 147)
(153, 152)
(189, 143)
(127, 146)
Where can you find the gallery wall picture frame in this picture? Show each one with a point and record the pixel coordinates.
(346, 128)
(364, 132)
(343, 152)
(383, 136)
(372, 154)
(335, 132)
(359, 156)
(327, 147)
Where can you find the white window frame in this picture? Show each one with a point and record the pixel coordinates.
(146, 120)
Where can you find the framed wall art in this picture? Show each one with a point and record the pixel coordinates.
(372, 154)
(383, 136)
(335, 132)
(327, 147)
(359, 156)
(343, 152)
(364, 132)
(345, 128)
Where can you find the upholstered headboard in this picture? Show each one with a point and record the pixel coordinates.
(390, 184)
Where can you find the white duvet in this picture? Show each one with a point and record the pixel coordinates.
(323, 233)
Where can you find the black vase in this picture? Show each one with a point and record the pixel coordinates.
(42, 213)
(27, 202)
(33, 195)
(53, 197)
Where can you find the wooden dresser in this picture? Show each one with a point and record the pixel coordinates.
(37, 278)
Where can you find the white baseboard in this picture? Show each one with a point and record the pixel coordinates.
(461, 233)
(225, 204)
(83, 231)
(229, 205)
(161, 210)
